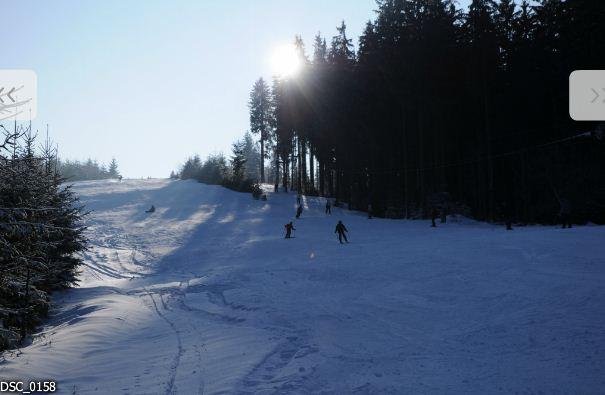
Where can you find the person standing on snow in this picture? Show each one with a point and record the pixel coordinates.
(298, 198)
(289, 228)
(299, 211)
(565, 213)
(341, 230)
(328, 207)
(434, 214)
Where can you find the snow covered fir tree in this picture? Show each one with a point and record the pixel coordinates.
(41, 233)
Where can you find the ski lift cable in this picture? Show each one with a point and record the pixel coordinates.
(484, 158)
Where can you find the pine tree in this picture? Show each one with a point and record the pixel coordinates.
(341, 51)
(238, 164)
(260, 118)
(252, 157)
(113, 169)
(41, 234)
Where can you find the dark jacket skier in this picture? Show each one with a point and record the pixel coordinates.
(289, 228)
(565, 213)
(328, 207)
(341, 230)
(434, 215)
(299, 211)
(151, 209)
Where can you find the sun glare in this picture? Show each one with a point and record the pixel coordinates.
(285, 61)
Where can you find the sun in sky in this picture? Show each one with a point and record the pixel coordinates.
(285, 61)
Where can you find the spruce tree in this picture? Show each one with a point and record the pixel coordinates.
(113, 169)
(260, 118)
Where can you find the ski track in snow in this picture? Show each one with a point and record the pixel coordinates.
(205, 296)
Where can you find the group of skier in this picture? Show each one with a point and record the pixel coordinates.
(340, 229)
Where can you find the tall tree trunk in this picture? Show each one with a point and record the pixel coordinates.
(330, 181)
(311, 168)
(285, 171)
(276, 169)
(262, 158)
(299, 156)
(292, 170)
(303, 165)
(406, 195)
(490, 161)
(322, 178)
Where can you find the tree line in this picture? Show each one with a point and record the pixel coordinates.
(464, 110)
(239, 172)
(90, 169)
(41, 232)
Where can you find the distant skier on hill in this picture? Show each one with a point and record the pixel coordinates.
(434, 215)
(151, 209)
(328, 207)
(299, 211)
(298, 198)
(341, 230)
(289, 228)
(565, 213)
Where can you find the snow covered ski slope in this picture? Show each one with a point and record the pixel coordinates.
(205, 296)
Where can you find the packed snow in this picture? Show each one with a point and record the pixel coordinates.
(206, 296)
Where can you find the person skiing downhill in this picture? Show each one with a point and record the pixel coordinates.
(328, 207)
(299, 211)
(289, 228)
(341, 230)
(151, 209)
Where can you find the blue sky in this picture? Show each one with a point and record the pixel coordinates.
(152, 82)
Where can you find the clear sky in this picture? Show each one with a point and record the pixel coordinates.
(152, 82)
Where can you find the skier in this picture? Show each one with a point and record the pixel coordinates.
(276, 188)
(299, 211)
(328, 207)
(289, 228)
(434, 215)
(298, 198)
(565, 213)
(341, 230)
(151, 209)
(369, 211)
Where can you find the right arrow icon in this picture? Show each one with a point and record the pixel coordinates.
(596, 95)
(587, 95)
